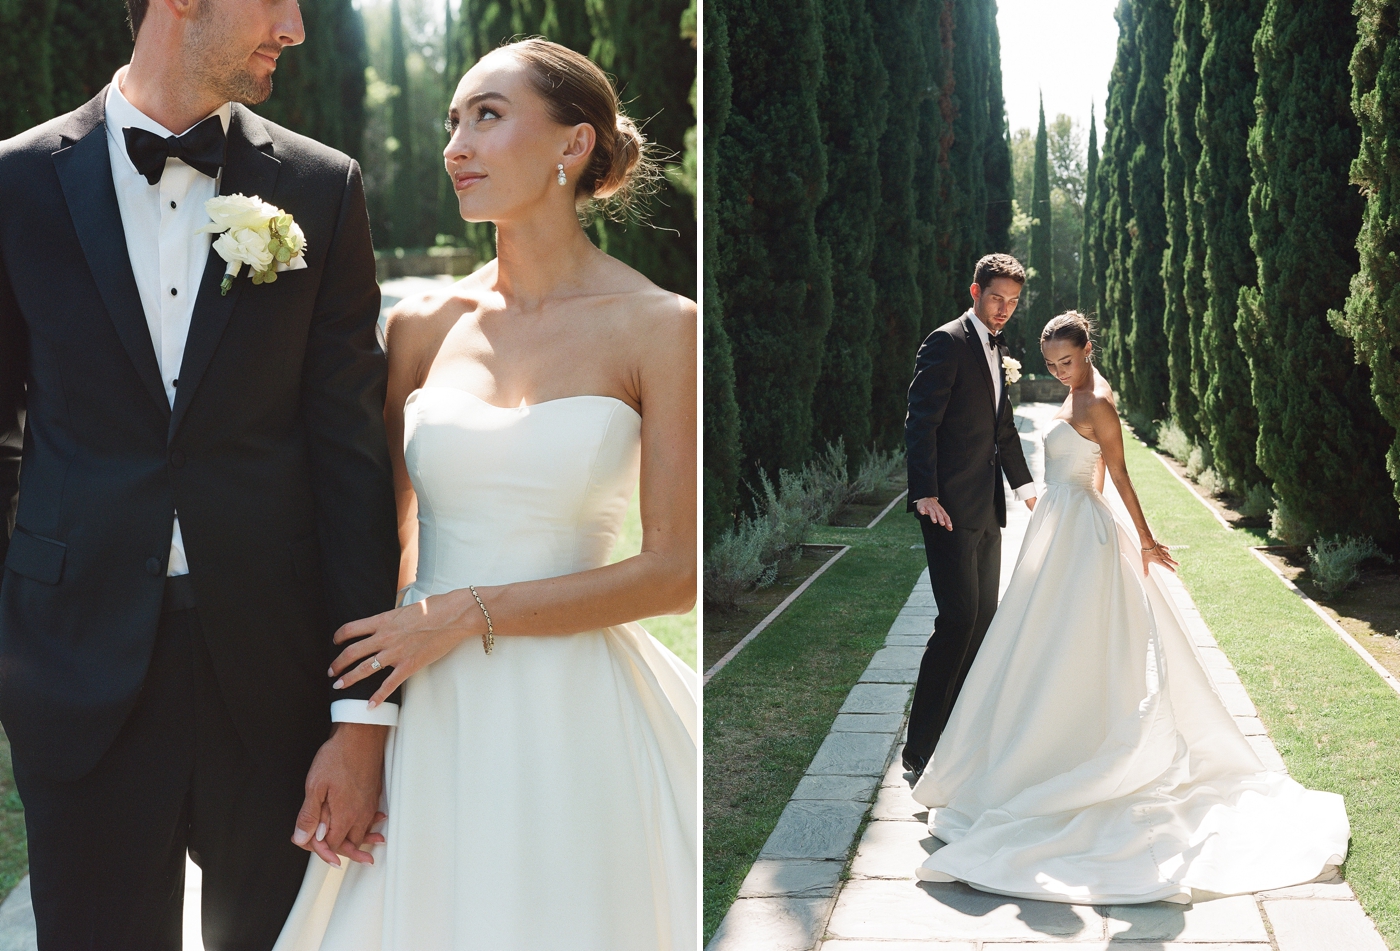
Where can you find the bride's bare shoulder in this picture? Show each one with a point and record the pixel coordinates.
(646, 313)
(422, 320)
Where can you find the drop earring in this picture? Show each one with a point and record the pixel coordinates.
(562, 179)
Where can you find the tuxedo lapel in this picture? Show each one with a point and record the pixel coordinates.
(84, 169)
(974, 340)
(250, 170)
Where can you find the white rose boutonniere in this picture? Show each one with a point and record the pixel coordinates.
(254, 233)
(1012, 366)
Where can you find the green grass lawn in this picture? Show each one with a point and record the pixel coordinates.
(14, 848)
(1335, 722)
(677, 631)
(769, 709)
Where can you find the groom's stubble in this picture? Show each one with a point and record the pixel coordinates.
(219, 65)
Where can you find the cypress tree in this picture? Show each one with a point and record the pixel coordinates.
(773, 274)
(1223, 121)
(403, 220)
(1372, 316)
(934, 220)
(852, 102)
(721, 413)
(1183, 263)
(90, 40)
(25, 64)
(997, 151)
(1040, 288)
(1321, 439)
(319, 87)
(1145, 383)
(1088, 290)
(1116, 216)
(639, 42)
(895, 261)
(966, 157)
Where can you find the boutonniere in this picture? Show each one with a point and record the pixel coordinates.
(254, 233)
(1012, 366)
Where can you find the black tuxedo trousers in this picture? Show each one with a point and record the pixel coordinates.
(109, 872)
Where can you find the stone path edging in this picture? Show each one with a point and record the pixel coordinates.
(772, 615)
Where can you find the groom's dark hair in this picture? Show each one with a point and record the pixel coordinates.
(994, 266)
(136, 12)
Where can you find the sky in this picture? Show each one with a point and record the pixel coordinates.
(1062, 48)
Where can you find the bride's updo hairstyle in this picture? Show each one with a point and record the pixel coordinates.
(620, 171)
(1071, 326)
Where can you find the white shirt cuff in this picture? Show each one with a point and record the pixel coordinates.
(358, 711)
(1027, 491)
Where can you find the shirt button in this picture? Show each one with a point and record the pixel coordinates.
(173, 292)
(172, 204)
(177, 459)
(152, 566)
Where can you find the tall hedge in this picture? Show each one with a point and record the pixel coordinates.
(89, 41)
(26, 72)
(1115, 242)
(721, 413)
(1040, 287)
(1145, 383)
(1321, 439)
(934, 214)
(895, 262)
(852, 109)
(775, 279)
(1088, 289)
(1183, 263)
(967, 192)
(639, 42)
(1372, 316)
(996, 153)
(1223, 120)
(319, 87)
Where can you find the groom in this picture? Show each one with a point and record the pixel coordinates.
(961, 439)
(203, 496)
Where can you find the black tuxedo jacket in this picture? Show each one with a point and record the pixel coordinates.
(959, 444)
(274, 453)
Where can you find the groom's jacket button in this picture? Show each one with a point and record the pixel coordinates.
(177, 459)
(153, 566)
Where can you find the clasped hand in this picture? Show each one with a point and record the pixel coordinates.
(406, 639)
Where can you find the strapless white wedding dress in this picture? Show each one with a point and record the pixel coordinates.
(1089, 757)
(542, 798)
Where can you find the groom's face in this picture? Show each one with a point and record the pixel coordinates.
(233, 45)
(995, 303)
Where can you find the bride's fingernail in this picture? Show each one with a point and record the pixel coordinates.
(372, 704)
(301, 837)
(321, 832)
(330, 671)
(339, 684)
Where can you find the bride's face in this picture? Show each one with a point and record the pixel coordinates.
(1066, 362)
(505, 150)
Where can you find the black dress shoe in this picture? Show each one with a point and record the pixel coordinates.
(914, 766)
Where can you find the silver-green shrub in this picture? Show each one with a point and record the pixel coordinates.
(1334, 562)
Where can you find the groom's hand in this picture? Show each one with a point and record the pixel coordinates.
(933, 510)
(342, 794)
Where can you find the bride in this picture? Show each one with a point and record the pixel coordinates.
(541, 781)
(1088, 758)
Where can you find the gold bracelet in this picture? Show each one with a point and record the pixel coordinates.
(488, 637)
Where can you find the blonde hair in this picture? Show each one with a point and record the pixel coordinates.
(621, 170)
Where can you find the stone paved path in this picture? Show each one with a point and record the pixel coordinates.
(795, 897)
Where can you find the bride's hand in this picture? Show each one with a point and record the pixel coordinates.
(1158, 554)
(405, 640)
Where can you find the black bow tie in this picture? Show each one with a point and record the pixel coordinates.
(996, 340)
(201, 148)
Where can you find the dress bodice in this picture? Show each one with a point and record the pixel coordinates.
(516, 494)
(1070, 458)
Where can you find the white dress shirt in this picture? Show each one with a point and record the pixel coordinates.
(994, 365)
(168, 256)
